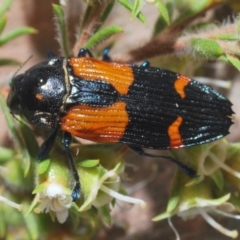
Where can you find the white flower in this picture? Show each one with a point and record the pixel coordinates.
(55, 199)
(103, 188)
(203, 207)
(213, 157)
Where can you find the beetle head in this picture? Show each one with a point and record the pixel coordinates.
(37, 94)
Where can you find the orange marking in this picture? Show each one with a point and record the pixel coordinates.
(117, 74)
(174, 134)
(180, 84)
(106, 124)
(39, 96)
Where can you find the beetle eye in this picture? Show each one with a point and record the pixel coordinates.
(14, 104)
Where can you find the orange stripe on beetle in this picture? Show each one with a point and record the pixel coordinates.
(174, 133)
(106, 124)
(117, 74)
(180, 83)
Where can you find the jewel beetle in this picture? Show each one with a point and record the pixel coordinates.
(104, 101)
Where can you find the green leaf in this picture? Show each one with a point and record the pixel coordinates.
(138, 4)
(172, 203)
(234, 61)
(163, 10)
(26, 158)
(161, 216)
(5, 62)
(40, 188)
(89, 163)
(31, 145)
(206, 48)
(4, 7)
(130, 7)
(89, 179)
(6, 153)
(43, 166)
(91, 215)
(238, 27)
(62, 29)
(107, 11)
(32, 222)
(3, 224)
(104, 16)
(101, 172)
(102, 35)
(119, 167)
(35, 201)
(218, 178)
(194, 7)
(85, 17)
(161, 24)
(105, 213)
(16, 33)
(30, 140)
(226, 36)
(3, 21)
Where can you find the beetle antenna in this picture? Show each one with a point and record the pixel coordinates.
(22, 122)
(21, 65)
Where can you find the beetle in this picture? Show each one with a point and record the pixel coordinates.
(104, 101)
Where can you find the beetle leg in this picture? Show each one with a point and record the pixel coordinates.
(187, 170)
(47, 145)
(105, 56)
(83, 52)
(145, 64)
(77, 189)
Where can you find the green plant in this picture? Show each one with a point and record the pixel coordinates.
(100, 167)
(5, 38)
